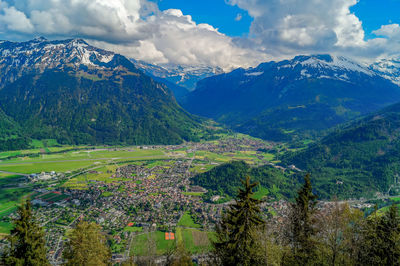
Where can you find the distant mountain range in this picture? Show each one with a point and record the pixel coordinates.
(282, 100)
(180, 78)
(77, 93)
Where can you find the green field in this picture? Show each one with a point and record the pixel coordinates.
(10, 198)
(107, 194)
(152, 164)
(210, 156)
(103, 173)
(44, 143)
(396, 199)
(73, 160)
(7, 208)
(198, 169)
(133, 229)
(194, 241)
(187, 221)
(30, 168)
(37, 151)
(53, 197)
(269, 156)
(249, 156)
(142, 243)
(198, 194)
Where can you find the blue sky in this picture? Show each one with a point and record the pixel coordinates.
(214, 12)
(373, 14)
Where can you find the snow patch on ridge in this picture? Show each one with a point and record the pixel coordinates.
(338, 63)
(389, 69)
(254, 73)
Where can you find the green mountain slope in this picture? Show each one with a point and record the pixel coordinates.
(75, 93)
(360, 158)
(11, 136)
(226, 179)
(124, 108)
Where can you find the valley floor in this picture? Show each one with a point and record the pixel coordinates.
(135, 193)
(139, 195)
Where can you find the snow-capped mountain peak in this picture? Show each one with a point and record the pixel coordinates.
(50, 54)
(305, 67)
(39, 39)
(40, 54)
(329, 62)
(388, 68)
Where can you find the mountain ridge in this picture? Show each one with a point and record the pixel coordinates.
(321, 91)
(77, 93)
(185, 76)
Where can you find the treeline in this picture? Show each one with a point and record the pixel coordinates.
(306, 235)
(335, 235)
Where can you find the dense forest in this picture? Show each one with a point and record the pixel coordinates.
(224, 180)
(11, 136)
(357, 159)
(126, 109)
(101, 99)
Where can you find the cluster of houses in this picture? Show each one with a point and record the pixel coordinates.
(43, 176)
(149, 196)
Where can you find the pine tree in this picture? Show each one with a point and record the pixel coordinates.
(27, 244)
(390, 231)
(87, 246)
(381, 240)
(237, 242)
(301, 228)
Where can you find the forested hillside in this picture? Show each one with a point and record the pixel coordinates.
(224, 180)
(79, 94)
(357, 159)
(11, 136)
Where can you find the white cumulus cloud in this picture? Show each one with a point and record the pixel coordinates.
(303, 25)
(136, 28)
(283, 28)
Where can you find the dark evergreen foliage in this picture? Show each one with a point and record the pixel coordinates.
(237, 241)
(380, 244)
(302, 234)
(11, 136)
(26, 241)
(125, 108)
(226, 179)
(356, 160)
